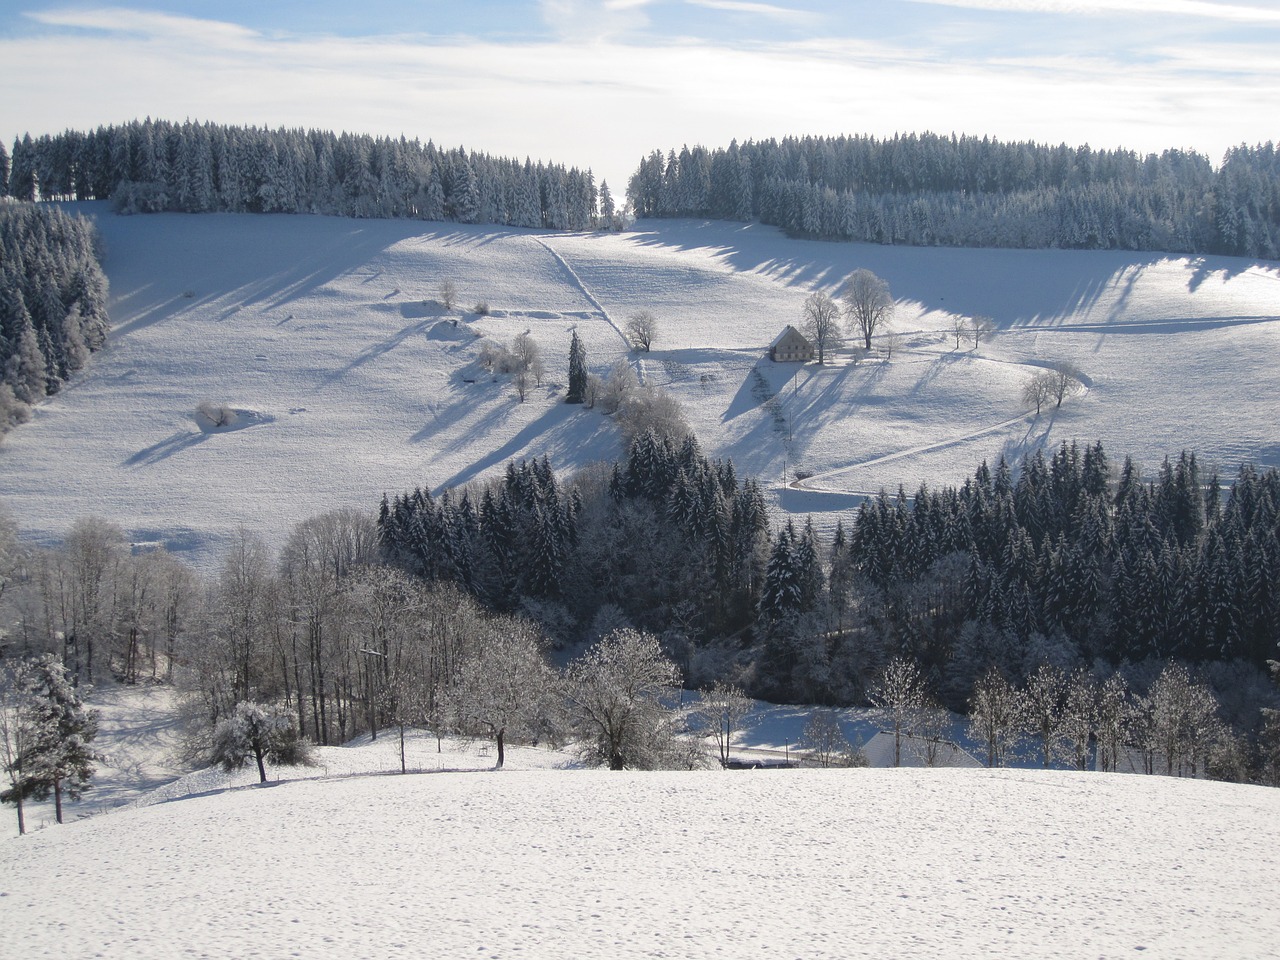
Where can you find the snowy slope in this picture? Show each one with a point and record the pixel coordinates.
(578, 863)
(352, 381)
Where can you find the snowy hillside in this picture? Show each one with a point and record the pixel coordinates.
(350, 379)
(580, 863)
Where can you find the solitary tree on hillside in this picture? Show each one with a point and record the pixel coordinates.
(448, 294)
(262, 731)
(577, 371)
(1038, 391)
(1065, 379)
(981, 328)
(867, 304)
(642, 329)
(821, 321)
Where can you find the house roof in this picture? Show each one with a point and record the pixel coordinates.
(788, 332)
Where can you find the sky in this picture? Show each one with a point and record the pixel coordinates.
(601, 83)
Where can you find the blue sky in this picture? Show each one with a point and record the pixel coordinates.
(598, 83)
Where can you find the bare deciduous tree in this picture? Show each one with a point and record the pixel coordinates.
(899, 693)
(642, 330)
(723, 713)
(1044, 699)
(982, 328)
(615, 693)
(1038, 391)
(959, 329)
(823, 738)
(996, 717)
(867, 303)
(821, 322)
(448, 294)
(504, 687)
(1065, 380)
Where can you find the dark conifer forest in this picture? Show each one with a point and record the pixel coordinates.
(53, 303)
(154, 165)
(927, 190)
(1058, 563)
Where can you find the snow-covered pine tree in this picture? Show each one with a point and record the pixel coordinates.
(577, 370)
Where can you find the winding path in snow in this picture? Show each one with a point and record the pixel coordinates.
(1026, 415)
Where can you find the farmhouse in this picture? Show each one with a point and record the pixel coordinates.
(791, 346)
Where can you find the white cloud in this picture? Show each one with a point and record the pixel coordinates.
(594, 19)
(768, 10)
(1234, 12)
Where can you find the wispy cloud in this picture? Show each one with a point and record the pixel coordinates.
(1233, 12)
(768, 10)
(594, 19)
(146, 23)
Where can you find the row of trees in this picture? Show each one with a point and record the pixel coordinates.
(1081, 718)
(926, 189)
(53, 304)
(154, 165)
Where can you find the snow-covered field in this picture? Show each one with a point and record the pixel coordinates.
(348, 858)
(352, 381)
(584, 863)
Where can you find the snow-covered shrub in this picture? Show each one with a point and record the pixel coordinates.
(215, 415)
(615, 693)
(262, 731)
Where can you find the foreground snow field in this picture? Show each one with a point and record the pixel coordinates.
(351, 380)
(578, 863)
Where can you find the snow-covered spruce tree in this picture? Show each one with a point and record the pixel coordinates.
(262, 731)
(47, 731)
(614, 692)
(577, 371)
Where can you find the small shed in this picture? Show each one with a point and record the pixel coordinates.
(791, 346)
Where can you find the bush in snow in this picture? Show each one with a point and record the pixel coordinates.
(262, 731)
(215, 415)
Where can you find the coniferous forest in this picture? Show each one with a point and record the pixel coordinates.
(1058, 564)
(53, 303)
(153, 165)
(926, 190)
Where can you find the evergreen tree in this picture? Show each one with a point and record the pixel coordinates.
(577, 371)
(53, 755)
